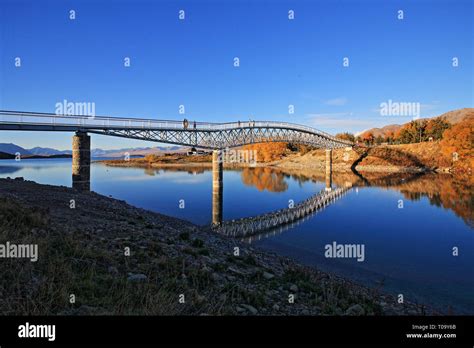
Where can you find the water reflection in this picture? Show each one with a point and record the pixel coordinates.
(264, 179)
(9, 169)
(441, 190)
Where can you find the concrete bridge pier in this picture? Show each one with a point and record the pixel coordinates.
(328, 170)
(81, 161)
(217, 187)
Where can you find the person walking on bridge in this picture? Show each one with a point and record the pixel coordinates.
(185, 124)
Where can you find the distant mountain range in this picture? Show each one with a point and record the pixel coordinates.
(46, 151)
(452, 117)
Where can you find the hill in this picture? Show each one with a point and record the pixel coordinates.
(13, 149)
(47, 151)
(4, 155)
(10, 148)
(452, 117)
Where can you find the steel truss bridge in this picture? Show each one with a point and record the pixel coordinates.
(197, 134)
(256, 225)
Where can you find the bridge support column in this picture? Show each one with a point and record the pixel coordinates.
(81, 161)
(217, 187)
(328, 170)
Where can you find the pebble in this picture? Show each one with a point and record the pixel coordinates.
(355, 310)
(268, 276)
(250, 308)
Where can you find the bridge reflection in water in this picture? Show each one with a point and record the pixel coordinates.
(268, 224)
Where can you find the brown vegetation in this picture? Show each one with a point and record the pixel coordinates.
(457, 145)
(274, 151)
(388, 132)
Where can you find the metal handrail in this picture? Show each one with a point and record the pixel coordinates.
(93, 122)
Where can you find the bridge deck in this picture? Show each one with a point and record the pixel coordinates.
(202, 134)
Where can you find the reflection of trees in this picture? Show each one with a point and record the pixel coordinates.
(264, 179)
(444, 191)
(450, 192)
(150, 171)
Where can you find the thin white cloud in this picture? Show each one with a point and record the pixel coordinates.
(337, 101)
(340, 120)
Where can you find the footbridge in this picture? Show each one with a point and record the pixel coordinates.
(188, 133)
(214, 136)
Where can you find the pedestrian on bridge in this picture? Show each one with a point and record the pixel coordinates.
(185, 124)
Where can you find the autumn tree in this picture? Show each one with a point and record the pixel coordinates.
(368, 138)
(458, 142)
(389, 137)
(150, 158)
(267, 152)
(412, 132)
(435, 128)
(346, 136)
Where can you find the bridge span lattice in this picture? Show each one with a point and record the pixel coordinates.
(198, 134)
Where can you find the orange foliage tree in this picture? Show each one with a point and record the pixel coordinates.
(368, 138)
(346, 136)
(267, 152)
(457, 144)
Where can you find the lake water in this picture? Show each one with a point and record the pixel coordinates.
(409, 249)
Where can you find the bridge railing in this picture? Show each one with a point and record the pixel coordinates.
(104, 122)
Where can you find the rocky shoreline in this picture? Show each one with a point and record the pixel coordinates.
(118, 259)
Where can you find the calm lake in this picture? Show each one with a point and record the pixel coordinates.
(408, 225)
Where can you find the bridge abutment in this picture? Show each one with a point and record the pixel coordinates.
(81, 161)
(328, 169)
(217, 187)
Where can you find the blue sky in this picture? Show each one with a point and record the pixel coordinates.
(190, 62)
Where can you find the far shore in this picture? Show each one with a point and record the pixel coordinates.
(276, 165)
(377, 159)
